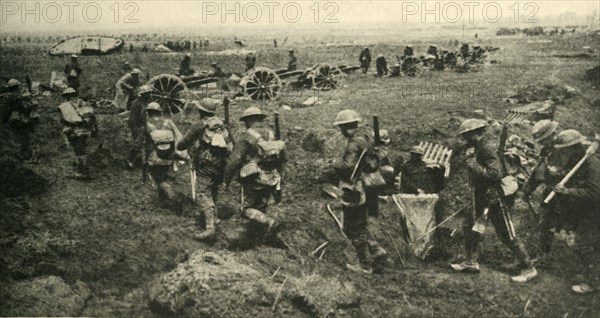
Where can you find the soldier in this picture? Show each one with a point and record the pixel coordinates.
(464, 51)
(576, 202)
(381, 65)
(408, 51)
(127, 88)
(417, 177)
(72, 72)
(136, 123)
(212, 146)
(160, 151)
(292, 61)
(486, 173)
(250, 61)
(395, 70)
(544, 132)
(185, 67)
(365, 59)
(354, 197)
(217, 71)
(259, 180)
(79, 124)
(19, 112)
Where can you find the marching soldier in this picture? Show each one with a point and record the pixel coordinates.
(576, 203)
(365, 59)
(544, 132)
(486, 174)
(160, 151)
(19, 112)
(72, 72)
(354, 198)
(212, 146)
(292, 61)
(79, 122)
(136, 123)
(259, 158)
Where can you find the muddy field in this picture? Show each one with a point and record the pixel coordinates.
(104, 248)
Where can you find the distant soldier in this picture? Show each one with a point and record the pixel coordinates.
(354, 197)
(185, 66)
(275, 43)
(485, 172)
(160, 152)
(250, 61)
(417, 177)
(72, 72)
(576, 203)
(79, 123)
(217, 71)
(136, 123)
(19, 112)
(396, 70)
(432, 50)
(258, 159)
(126, 89)
(211, 145)
(381, 65)
(292, 61)
(544, 132)
(365, 59)
(408, 51)
(464, 51)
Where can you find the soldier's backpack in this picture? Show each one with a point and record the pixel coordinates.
(264, 166)
(164, 143)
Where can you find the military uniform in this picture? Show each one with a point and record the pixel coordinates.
(19, 112)
(416, 175)
(79, 124)
(72, 72)
(160, 134)
(365, 60)
(209, 160)
(126, 89)
(381, 65)
(250, 61)
(292, 62)
(486, 175)
(185, 67)
(135, 122)
(358, 205)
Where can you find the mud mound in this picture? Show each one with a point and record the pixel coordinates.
(593, 75)
(321, 297)
(542, 92)
(210, 285)
(44, 296)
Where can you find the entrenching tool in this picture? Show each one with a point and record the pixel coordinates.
(588, 153)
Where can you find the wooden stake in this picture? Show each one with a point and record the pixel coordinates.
(279, 294)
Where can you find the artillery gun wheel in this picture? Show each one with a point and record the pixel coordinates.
(170, 92)
(326, 77)
(261, 83)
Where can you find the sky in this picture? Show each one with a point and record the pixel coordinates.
(85, 16)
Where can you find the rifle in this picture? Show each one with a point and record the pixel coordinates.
(588, 153)
(376, 130)
(226, 119)
(279, 192)
(144, 161)
(503, 208)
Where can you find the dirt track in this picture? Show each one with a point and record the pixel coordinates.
(109, 233)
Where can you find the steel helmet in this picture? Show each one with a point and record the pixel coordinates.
(74, 56)
(543, 129)
(153, 106)
(417, 150)
(568, 138)
(136, 71)
(252, 112)
(69, 91)
(470, 125)
(347, 116)
(144, 89)
(13, 82)
(208, 105)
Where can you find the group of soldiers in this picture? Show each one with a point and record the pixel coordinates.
(434, 59)
(257, 160)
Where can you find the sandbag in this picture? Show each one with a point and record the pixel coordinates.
(69, 114)
(419, 217)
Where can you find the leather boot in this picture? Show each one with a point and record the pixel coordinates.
(210, 218)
